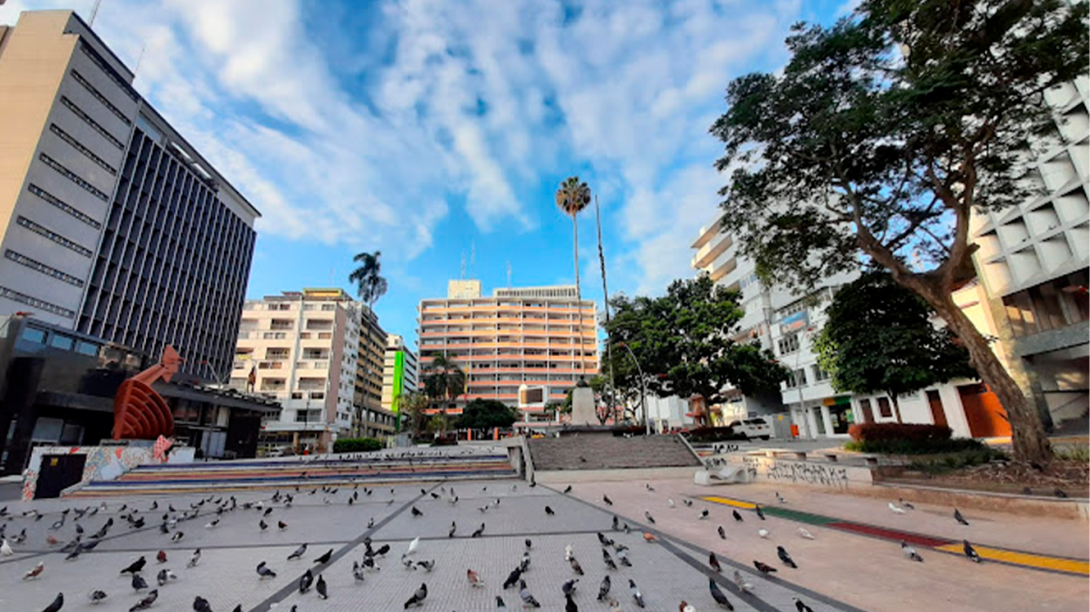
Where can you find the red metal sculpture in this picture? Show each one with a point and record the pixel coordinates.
(139, 412)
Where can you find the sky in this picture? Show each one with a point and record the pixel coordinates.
(437, 131)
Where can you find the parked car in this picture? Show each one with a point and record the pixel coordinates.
(753, 428)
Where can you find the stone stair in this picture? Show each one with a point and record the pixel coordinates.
(607, 452)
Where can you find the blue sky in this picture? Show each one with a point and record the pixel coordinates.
(432, 129)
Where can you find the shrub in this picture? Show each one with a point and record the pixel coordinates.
(913, 447)
(892, 432)
(356, 445)
(714, 434)
(1072, 452)
(958, 461)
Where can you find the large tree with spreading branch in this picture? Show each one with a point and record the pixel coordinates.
(881, 137)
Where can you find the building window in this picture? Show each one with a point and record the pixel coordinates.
(110, 72)
(70, 105)
(55, 237)
(101, 98)
(77, 145)
(17, 296)
(41, 267)
(32, 334)
(62, 342)
(796, 378)
(75, 178)
(884, 407)
(788, 344)
(820, 374)
(61, 204)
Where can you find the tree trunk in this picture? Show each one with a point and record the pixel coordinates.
(1027, 433)
(896, 406)
(605, 298)
(578, 295)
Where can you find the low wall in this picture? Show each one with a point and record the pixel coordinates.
(612, 475)
(103, 462)
(825, 474)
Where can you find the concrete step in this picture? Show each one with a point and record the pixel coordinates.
(606, 452)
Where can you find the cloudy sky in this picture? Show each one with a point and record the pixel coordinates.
(437, 131)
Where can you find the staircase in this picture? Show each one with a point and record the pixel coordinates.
(280, 473)
(607, 452)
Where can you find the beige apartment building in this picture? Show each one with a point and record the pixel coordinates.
(372, 419)
(300, 349)
(525, 346)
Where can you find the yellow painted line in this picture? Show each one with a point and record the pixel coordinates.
(729, 502)
(1071, 566)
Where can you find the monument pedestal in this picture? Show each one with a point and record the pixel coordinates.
(582, 407)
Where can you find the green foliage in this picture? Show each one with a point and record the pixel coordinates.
(896, 432)
(878, 337)
(957, 459)
(683, 341)
(487, 414)
(444, 381)
(412, 407)
(370, 285)
(1072, 452)
(915, 447)
(714, 434)
(356, 445)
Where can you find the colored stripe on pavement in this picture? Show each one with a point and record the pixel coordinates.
(1057, 564)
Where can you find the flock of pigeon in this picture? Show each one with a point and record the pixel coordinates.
(614, 555)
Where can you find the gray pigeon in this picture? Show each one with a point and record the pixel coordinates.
(263, 571)
(603, 589)
(57, 604)
(959, 518)
(323, 591)
(201, 604)
(635, 591)
(568, 588)
(418, 597)
(138, 583)
(718, 595)
(528, 600)
(146, 602)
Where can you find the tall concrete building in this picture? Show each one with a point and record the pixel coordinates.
(112, 224)
(399, 372)
(525, 347)
(372, 418)
(300, 349)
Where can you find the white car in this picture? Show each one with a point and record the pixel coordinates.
(753, 428)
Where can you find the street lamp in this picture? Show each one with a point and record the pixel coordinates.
(643, 387)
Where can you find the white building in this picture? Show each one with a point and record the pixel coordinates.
(300, 348)
(399, 372)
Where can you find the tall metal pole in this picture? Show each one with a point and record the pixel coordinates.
(605, 298)
(643, 389)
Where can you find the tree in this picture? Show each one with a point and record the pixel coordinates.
(413, 406)
(487, 414)
(881, 137)
(879, 337)
(444, 381)
(370, 284)
(607, 395)
(572, 197)
(686, 338)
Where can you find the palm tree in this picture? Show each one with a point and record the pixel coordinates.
(605, 300)
(414, 404)
(572, 197)
(370, 285)
(443, 379)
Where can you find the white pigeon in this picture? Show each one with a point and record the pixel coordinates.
(805, 534)
(688, 608)
(896, 509)
(740, 582)
(567, 553)
(412, 546)
(763, 533)
(671, 502)
(5, 548)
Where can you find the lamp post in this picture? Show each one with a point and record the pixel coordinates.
(643, 387)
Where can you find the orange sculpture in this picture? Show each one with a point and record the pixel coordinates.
(139, 412)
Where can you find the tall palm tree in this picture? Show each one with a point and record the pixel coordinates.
(605, 300)
(370, 284)
(413, 405)
(443, 379)
(572, 197)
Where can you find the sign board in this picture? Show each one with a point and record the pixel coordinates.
(795, 322)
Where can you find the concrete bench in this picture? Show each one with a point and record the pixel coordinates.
(830, 457)
(731, 474)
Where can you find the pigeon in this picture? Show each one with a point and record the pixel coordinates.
(780, 498)
(568, 588)
(529, 544)
(262, 525)
(760, 513)
(146, 602)
(607, 500)
(635, 591)
(714, 563)
(453, 528)
(568, 552)
(474, 578)
(971, 552)
(525, 564)
(704, 514)
(608, 560)
(416, 512)
(803, 533)
(905, 504)
(622, 556)
(528, 600)
(895, 508)
(35, 571)
(325, 557)
(195, 559)
(688, 503)
(718, 595)
(603, 540)
(164, 576)
(549, 511)
(5, 548)
(512, 578)
(616, 526)
(413, 546)
(567, 489)
(499, 600)
(649, 487)
(201, 604)
(569, 604)
(477, 532)
(281, 525)
(737, 517)
(135, 566)
(959, 518)
(323, 591)
(670, 502)
(161, 556)
(299, 552)
(647, 515)
(649, 538)
(357, 571)
(910, 552)
(264, 572)
(801, 607)
(740, 582)
(418, 597)
(764, 568)
(722, 533)
(305, 581)
(97, 596)
(764, 533)
(786, 558)
(212, 524)
(578, 569)
(603, 588)
(138, 582)
(428, 565)
(57, 604)
(178, 535)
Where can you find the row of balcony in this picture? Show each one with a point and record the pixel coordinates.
(492, 333)
(514, 357)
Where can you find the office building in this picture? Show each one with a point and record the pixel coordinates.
(373, 420)
(539, 339)
(299, 348)
(399, 374)
(112, 224)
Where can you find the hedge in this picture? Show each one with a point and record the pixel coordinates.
(916, 447)
(898, 432)
(714, 434)
(356, 445)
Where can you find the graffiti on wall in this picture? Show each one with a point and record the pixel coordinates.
(797, 472)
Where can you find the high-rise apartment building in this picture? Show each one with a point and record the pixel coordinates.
(536, 339)
(300, 348)
(399, 374)
(112, 224)
(372, 419)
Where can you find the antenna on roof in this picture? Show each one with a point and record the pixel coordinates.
(139, 59)
(472, 257)
(94, 13)
(462, 274)
(508, 274)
